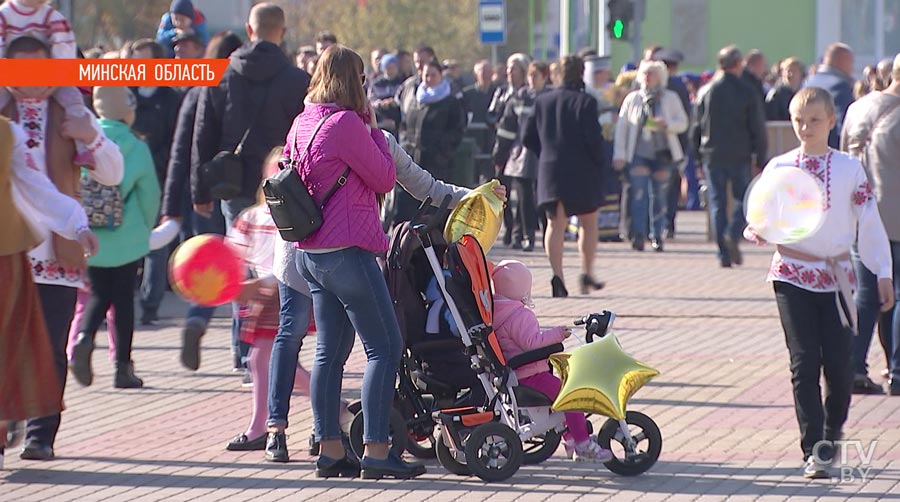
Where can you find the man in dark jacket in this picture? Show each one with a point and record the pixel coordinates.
(835, 77)
(755, 69)
(406, 94)
(476, 99)
(730, 136)
(259, 95)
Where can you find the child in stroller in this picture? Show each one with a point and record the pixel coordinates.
(518, 331)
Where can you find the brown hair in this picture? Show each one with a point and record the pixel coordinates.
(337, 79)
(540, 67)
(572, 69)
(222, 44)
(810, 96)
(26, 44)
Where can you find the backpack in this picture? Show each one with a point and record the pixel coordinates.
(293, 209)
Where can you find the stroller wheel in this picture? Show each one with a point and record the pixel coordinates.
(397, 434)
(647, 440)
(540, 448)
(448, 459)
(494, 452)
(421, 446)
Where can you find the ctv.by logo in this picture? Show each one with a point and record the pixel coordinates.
(849, 472)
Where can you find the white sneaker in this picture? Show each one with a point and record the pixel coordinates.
(590, 451)
(812, 469)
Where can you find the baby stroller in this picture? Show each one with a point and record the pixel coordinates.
(489, 441)
(434, 373)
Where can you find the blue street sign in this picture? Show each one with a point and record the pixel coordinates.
(492, 21)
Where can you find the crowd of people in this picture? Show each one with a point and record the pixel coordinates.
(369, 143)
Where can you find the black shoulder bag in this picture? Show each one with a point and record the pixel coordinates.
(293, 210)
(224, 174)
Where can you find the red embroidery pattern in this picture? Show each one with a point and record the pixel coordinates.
(52, 271)
(33, 123)
(814, 166)
(804, 275)
(862, 194)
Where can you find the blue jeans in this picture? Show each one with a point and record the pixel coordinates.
(726, 228)
(153, 284)
(349, 293)
(649, 198)
(230, 210)
(868, 309)
(895, 315)
(293, 323)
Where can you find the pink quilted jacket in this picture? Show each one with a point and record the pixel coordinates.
(518, 331)
(351, 217)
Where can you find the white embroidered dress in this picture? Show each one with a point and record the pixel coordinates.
(108, 171)
(850, 210)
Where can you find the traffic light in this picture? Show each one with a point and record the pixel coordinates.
(621, 13)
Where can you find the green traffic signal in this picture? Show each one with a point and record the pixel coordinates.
(618, 28)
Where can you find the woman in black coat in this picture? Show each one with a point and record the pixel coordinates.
(565, 134)
(431, 131)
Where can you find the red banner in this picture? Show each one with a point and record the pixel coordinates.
(112, 72)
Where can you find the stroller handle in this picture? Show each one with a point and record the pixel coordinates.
(597, 324)
(423, 229)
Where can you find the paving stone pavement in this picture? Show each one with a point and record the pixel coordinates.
(722, 401)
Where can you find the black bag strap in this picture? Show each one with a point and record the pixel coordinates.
(342, 179)
(259, 109)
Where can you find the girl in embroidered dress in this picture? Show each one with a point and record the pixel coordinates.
(40, 20)
(30, 206)
(813, 278)
(254, 236)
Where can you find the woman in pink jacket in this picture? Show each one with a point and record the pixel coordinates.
(338, 261)
(518, 331)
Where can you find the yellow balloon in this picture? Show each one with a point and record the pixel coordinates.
(599, 378)
(478, 213)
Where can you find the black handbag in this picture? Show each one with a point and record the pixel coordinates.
(224, 174)
(293, 210)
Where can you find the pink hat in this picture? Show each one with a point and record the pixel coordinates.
(512, 280)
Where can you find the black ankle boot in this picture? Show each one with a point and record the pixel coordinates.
(559, 289)
(80, 364)
(125, 377)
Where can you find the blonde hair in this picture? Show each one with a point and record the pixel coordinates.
(274, 155)
(338, 79)
(647, 67)
(811, 96)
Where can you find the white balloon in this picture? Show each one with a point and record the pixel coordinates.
(785, 205)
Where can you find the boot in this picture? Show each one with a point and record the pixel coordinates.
(125, 377)
(80, 364)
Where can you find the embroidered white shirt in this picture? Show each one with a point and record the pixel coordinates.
(850, 210)
(109, 170)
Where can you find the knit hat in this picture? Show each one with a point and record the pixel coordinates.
(183, 7)
(388, 59)
(114, 103)
(512, 280)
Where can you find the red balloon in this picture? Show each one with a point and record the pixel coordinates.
(206, 270)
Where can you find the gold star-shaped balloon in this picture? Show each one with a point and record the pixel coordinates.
(599, 378)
